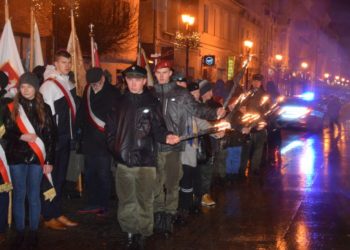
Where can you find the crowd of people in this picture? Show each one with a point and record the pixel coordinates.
(151, 135)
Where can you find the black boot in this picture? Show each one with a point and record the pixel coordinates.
(18, 241)
(168, 225)
(33, 240)
(130, 242)
(140, 241)
(197, 205)
(181, 217)
(158, 222)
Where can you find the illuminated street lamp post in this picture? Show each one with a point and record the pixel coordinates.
(248, 45)
(188, 21)
(304, 66)
(279, 59)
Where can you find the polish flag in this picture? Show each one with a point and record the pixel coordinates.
(10, 61)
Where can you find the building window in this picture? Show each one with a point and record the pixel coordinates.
(206, 18)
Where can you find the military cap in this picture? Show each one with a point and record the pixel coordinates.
(179, 77)
(204, 87)
(192, 86)
(163, 64)
(135, 71)
(258, 77)
(94, 75)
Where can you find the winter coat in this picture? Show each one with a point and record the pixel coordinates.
(18, 151)
(54, 97)
(133, 127)
(93, 140)
(178, 105)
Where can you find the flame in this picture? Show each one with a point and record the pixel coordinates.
(280, 99)
(223, 125)
(250, 117)
(264, 99)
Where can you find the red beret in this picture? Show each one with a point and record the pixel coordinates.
(163, 64)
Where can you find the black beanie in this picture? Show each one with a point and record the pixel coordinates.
(94, 75)
(29, 78)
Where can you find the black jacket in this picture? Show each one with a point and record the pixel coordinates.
(132, 128)
(93, 141)
(18, 151)
(177, 106)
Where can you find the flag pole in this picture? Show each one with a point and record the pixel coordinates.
(9, 214)
(31, 62)
(7, 16)
(92, 44)
(75, 69)
(74, 48)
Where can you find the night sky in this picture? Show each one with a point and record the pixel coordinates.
(340, 15)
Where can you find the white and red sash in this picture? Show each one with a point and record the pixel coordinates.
(93, 119)
(38, 145)
(68, 96)
(4, 172)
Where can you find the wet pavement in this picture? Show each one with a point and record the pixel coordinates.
(302, 204)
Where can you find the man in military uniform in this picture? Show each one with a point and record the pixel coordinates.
(132, 129)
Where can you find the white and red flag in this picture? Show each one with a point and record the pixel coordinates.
(96, 56)
(10, 61)
(143, 62)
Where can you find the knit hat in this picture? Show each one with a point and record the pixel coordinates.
(4, 79)
(94, 75)
(204, 87)
(31, 79)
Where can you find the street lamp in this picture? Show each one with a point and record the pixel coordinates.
(248, 45)
(304, 65)
(279, 59)
(188, 21)
(326, 75)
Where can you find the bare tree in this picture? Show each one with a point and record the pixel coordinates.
(115, 22)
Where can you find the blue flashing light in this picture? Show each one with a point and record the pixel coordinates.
(308, 96)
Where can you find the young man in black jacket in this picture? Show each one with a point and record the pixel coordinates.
(132, 129)
(98, 100)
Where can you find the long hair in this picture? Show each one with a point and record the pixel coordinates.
(39, 106)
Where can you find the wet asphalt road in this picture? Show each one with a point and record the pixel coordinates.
(302, 204)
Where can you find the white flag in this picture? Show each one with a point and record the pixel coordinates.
(38, 53)
(10, 61)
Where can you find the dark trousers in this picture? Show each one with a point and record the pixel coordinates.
(190, 184)
(97, 180)
(54, 209)
(253, 151)
(206, 173)
(4, 203)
